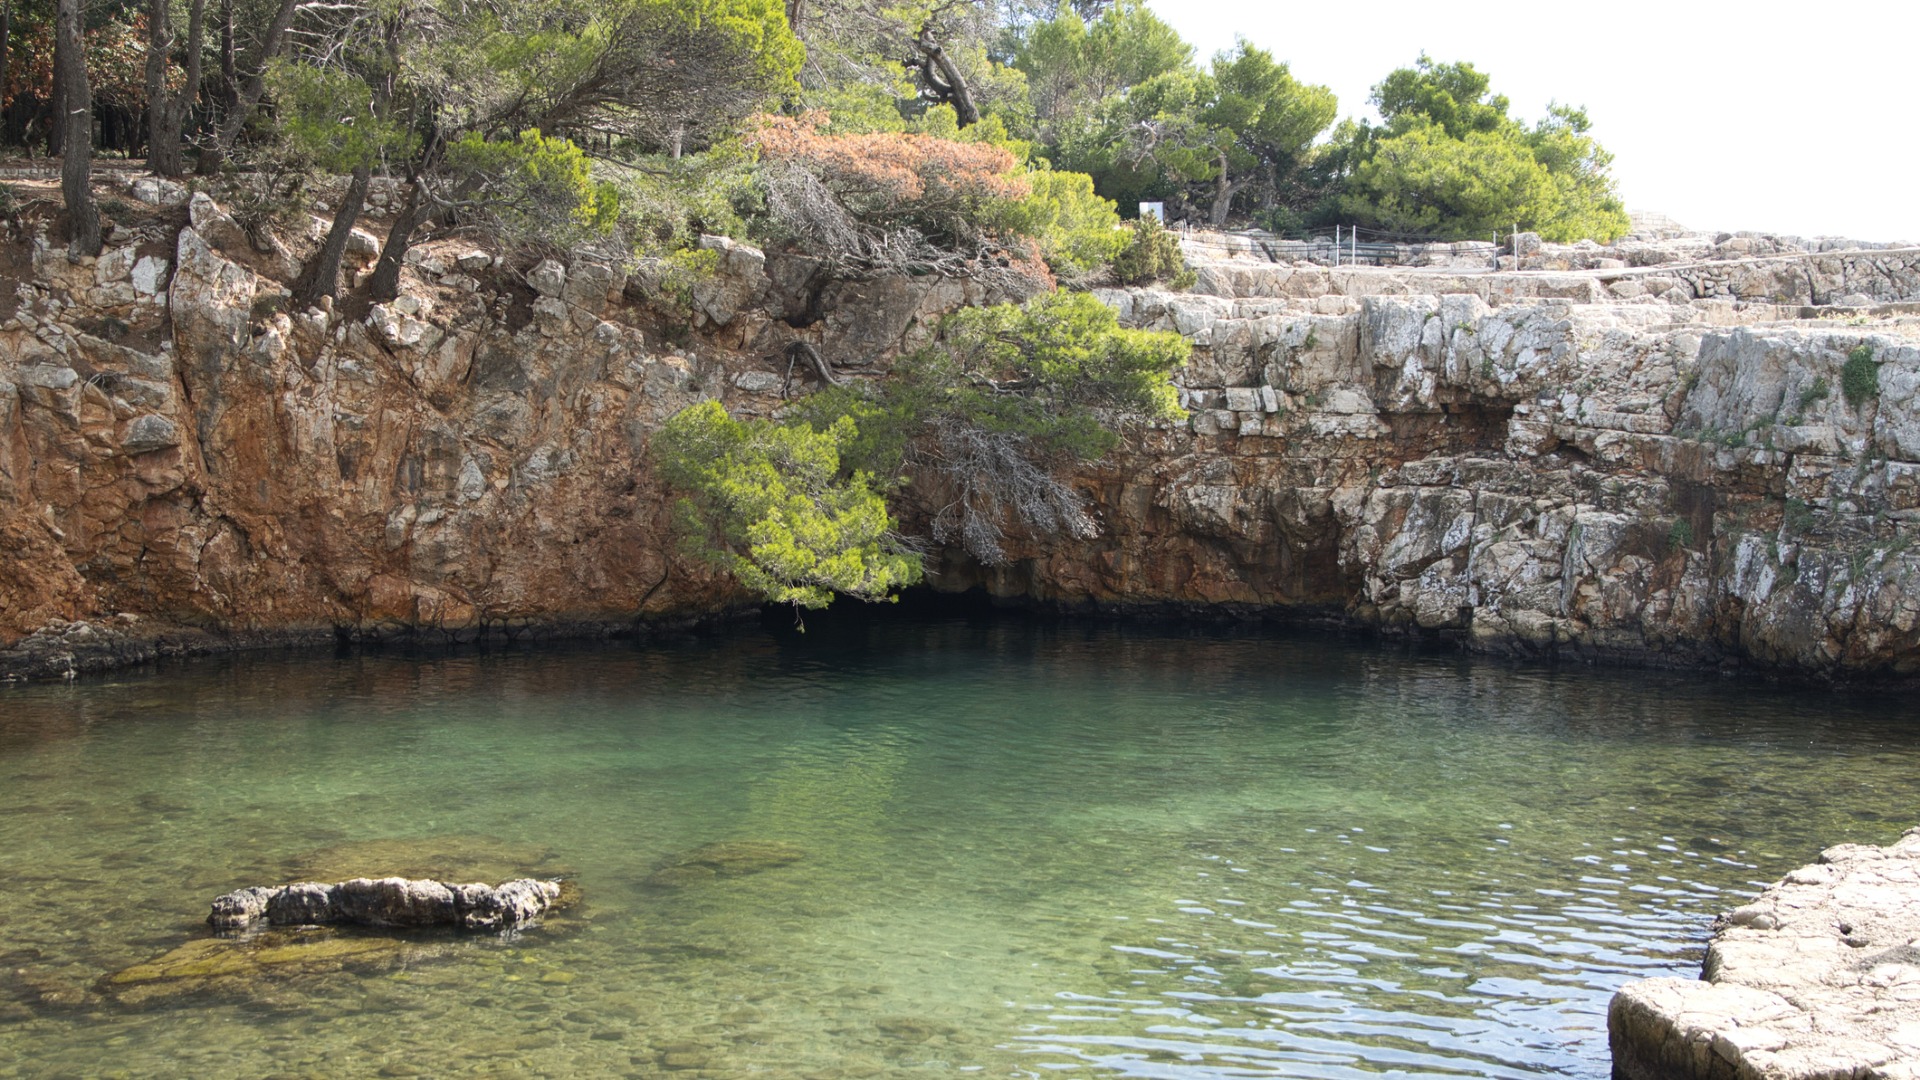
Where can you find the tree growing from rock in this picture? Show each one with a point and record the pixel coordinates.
(479, 77)
(167, 106)
(772, 504)
(76, 97)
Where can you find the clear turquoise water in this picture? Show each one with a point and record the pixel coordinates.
(1032, 849)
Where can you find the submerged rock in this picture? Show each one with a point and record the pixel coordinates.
(240, 964)
(727, 858)
(1817, 978)
(391, 902)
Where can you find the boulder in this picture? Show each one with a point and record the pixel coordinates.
(148, 433)
(548, 278)
(1817, 978)
(390, 902)
(157, 191)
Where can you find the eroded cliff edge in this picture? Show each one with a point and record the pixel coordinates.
(1654, 463)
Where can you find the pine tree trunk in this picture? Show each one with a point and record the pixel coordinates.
(386, 273)
(1222, 195)
(159, 50)
(76, 125)
(6, 54)
(322, 275)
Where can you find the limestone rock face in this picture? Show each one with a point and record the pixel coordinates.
(1656, 461)
(231, 472)
(1819, 977)
(1518, 474)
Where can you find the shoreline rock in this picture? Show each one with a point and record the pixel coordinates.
(1818, 977)
(67, 650)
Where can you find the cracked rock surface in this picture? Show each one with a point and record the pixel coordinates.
(1817, 978)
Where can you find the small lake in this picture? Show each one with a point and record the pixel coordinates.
(1010, 847)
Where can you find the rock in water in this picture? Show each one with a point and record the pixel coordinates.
(243, 966)
(727, 858)
(1818, 978)
(391, 902)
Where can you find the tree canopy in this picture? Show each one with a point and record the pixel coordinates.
(1449, 161)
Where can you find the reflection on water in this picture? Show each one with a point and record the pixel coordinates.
(1030, 849)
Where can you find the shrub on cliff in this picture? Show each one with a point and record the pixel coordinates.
(1860, 376)
(984, 421)
(1152, 253)
(887, 201)
(770, 503)
(976, 429)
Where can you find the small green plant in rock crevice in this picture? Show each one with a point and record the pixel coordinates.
(1860, 376)
(1819, 391)
(1153, 255)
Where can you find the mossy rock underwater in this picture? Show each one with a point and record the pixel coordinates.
(725, 859)
(244, 965)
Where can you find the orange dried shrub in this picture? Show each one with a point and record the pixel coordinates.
(955, 193)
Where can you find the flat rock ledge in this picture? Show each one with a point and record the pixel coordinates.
(391, 902)
(1817, 979)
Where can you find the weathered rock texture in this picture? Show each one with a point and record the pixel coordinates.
(389, 901)
(1818, 978)
(1604, 462)
(1659, 480)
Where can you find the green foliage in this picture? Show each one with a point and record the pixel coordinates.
(1072, 65)
(1425, 181)
(1047, 371)
(1077, 230)
(770, 503)
(983, 418)
(1148, 144)
(1043, 367)
(1450, 162)
(328, 118)
(537, 187)
(1818, 392)
(1860, 376)
(1244, 127)
(1265, 119)
(1681, 534)
(667, 204)
(674, 276)
(661, 71)
(1453, 96)
(1152, 254)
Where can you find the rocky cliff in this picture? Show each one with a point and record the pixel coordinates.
(1659, 462)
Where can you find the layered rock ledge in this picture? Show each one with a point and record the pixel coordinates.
(1819, 978)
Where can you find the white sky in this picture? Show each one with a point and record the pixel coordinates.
(1758, 115)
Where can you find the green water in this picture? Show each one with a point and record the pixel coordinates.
(1032, 849)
